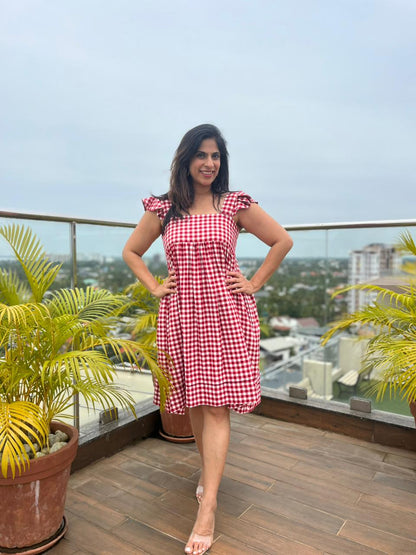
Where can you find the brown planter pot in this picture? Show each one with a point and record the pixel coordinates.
(177, 427)
(32, 504)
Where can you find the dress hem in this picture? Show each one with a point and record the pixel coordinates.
(239, 409)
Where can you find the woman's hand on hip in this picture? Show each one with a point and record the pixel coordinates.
(237, 283)
(167, 287)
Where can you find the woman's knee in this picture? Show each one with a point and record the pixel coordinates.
(221, 414)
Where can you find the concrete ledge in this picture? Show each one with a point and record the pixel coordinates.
(98, 441)
(378, 426)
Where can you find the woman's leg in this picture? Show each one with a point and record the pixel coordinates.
(214, 439)
(197, 421)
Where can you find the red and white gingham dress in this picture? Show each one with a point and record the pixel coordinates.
(211, 335)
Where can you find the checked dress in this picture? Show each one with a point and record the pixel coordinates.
(211, 335)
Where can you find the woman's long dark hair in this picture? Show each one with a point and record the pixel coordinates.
(181, 192)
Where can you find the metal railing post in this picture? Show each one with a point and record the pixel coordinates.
(74, 282)
(73, 249)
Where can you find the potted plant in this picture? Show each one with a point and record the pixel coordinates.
(53, 346)
(391, 320)
(176, 428)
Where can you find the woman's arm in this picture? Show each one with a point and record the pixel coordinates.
(147, 231)
(256, 221)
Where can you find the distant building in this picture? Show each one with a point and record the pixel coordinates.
(283, 324)
(301, 328)
(373, 261)
(276, 349)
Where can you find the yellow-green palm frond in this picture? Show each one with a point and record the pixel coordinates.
(20, 316)
(39, 271)
(73, 366)
(142, 297)
(163, 377)
(20, 423)
(392, 356)
(407, 246)
(16, 376)
(406, 298)
(371, 315)
(139, 355)
(105, 395)
(146, 317)
(378, 316)
(409, 267)
(90, 333)
(87, 304)
(145, 328)
(145, 321)
(95, 394)
(396, 381)
(62, 330)
(12, 290)
(131, 350)
(143, 356)
(148, 308)
(62, 375)
(143, 300)
(406, 243)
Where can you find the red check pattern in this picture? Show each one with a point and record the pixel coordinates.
(211, 335)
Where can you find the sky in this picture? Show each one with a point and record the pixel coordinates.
(316, 99)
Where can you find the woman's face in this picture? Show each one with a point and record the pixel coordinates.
(205, 165)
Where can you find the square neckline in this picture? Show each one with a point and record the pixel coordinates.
(223, 201)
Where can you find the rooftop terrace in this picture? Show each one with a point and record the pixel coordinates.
(287, 489)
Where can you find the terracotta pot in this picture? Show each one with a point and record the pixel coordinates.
(176, 427)
(32, 504)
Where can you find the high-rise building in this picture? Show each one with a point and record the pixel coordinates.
(371, 262)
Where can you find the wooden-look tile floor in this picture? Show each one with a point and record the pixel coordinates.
(287, 489)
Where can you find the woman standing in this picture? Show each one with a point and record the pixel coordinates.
(208, 323)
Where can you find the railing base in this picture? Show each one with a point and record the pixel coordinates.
(377, 427)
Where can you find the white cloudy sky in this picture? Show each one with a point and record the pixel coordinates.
(316, 99)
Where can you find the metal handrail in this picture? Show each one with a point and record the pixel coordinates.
(350, 225)
(292, 227)
(62, 219)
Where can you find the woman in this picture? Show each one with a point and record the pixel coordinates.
(208, 323)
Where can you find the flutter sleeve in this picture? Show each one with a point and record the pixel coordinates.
(242, 201)
(153, 204)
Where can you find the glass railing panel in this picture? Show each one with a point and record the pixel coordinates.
(342, 241)
(294, 307)
(100, 264)
(55, 238)
(99, 261)
(382, 267)
(330, 373)
(99, 257)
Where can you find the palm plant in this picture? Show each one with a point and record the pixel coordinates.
(175, 427)
(147, 306)
(54, 346)
(391, 350)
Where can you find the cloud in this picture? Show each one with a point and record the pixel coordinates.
(316, 100)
